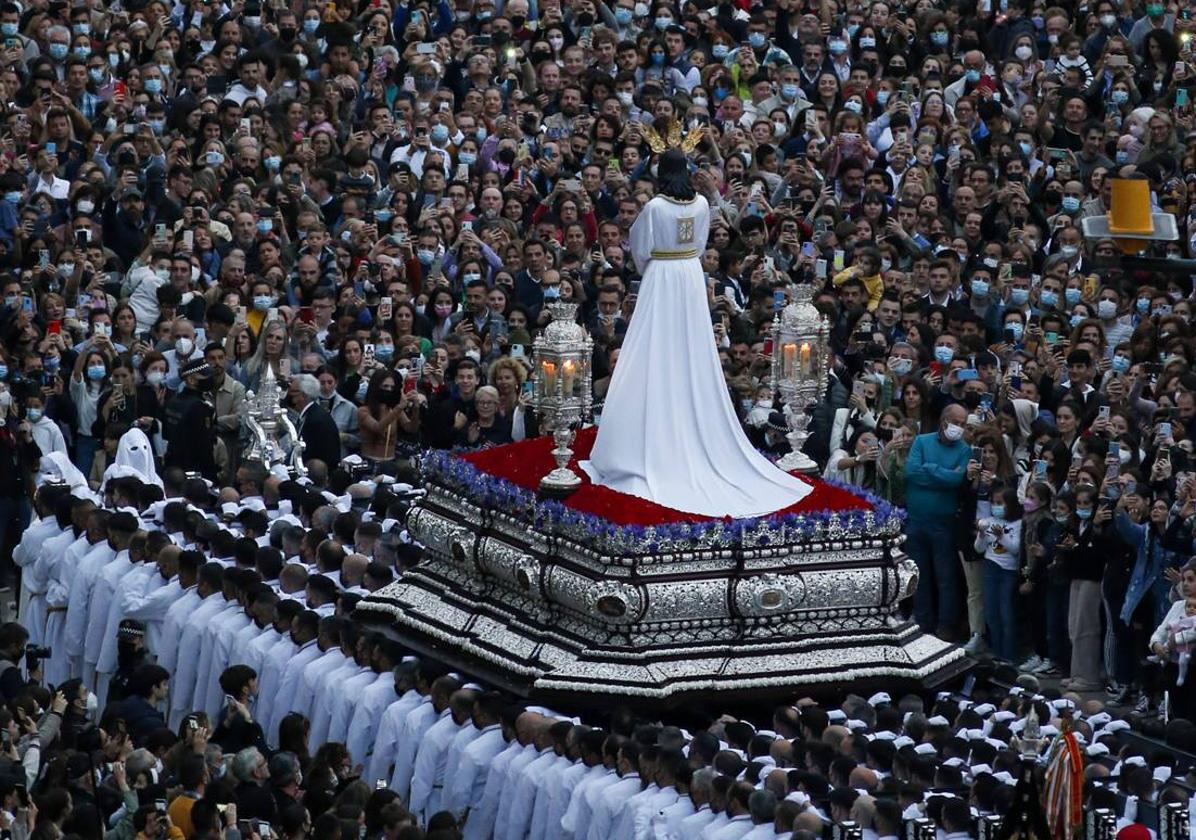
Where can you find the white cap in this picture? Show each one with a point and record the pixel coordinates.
(836, 716)
(1003, 716)
(903, 741)
(985, 709)
(856, 725)
(879, 697)
(925, 749)
(1096, 750)
(938, 720)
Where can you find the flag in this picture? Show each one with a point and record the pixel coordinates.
(1062, 793)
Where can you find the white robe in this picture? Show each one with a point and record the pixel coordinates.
(427, 775)
(288, 681)
(151, 606)
(385, 744)
(669, 433)
(87, 572)
(480, 823)
(166, 652)
(33, 581)
(367, 714)
(465, 788)
(418, 722)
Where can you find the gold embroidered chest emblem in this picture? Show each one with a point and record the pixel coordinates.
(685, 229)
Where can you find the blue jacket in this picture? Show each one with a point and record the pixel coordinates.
(934, 472)
(1155, 554)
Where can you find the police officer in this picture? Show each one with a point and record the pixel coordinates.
(191, 422)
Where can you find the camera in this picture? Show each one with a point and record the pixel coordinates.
(34, 654)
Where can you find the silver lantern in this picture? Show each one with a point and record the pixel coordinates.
(563, 393)
(800, 354)
(267, 422)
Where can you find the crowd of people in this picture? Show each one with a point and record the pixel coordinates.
(187, 667)
(372, 205)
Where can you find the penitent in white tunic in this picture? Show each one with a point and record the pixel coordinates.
(669, 433)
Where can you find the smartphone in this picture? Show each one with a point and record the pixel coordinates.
(1164, 430)
(160, 806)
(271, 314)
(1010, 337)
(986, 402)
(409, 382)
(820, 269)
(54, 327)
(1115, 448)
(384, 309)
(246, 126)
(968, 374)
(189, 239)
(242, 314)
(1102, 413)
(1040, 470)
(529, 387)
(369, 353)
(160, 230)
(43, 259)
(840, 260)
(768, 347)
(307, 315)
(284, 366)
(857, 389)
(424, 48)
(1052, 337)
(778, 300)
(978, 454)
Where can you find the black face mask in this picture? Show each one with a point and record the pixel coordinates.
(506, 156)
(971, 399)
(287, 33)
(883, 435)
(517, 22)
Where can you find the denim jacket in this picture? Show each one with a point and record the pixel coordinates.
(1154, 554)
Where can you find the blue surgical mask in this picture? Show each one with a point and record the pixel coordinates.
(425, 255)
(721, 51)
(972, 75)
(58, 51)
(1063, 518)
(33, 414)
(623, 15)
(1119, 97)
(470, 277)
(757, 39)
(384, 215)
(998, 511)
(481, 134)
(96, 74)
(979, 288)
(789, 91)
(552, 293)
(467, 158)
(882, 97)
(439, 134)
(213, 158)
(153, 86)
(657, 59)
(1016, 328)
(1026, 148)
(1084, 513)
(273, 162)
(1122, 157)
(1049, 299)
(1142, 304)
(662, 23)
(1072, 296)
(867, 42)
(310, 25)
(837, 46)
(1121, 364)
(265, 225)
(1075, 320)
(384, 352)
(8, 30)
(939, 37)
(943, 354)
(262, 303)
(1070, 203)
(83, 52)
(3, 371)
(157, 126)
(1018, 297)
(96, 372)
(13, 197)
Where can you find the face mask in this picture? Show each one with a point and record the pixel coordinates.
(114, 59)
(780, 129)
(1016, 328)
(310, 25)
(96, 372)
(83, 52)
(8, 29)
(1031, 505)
(33, 414)
(213, 158)
(93, 704)
(157, 126)
(853, 106)
(623, 15)
(552, 293)
(882, 98)
(153, 86)
(662, 23)
(902, 366)
(979, 288)
(939, 37)
(1026, 148)
(1121, 364)
(50, 363)
(721, 51)
(657, 59)
(943, 354)
(439, 134)
(1075, 320)
(262, 303)
(1143, 304)
(556, 42)
(265, 225)
(1049, 299)
(253, 22)
(58, 51)
(1023, 52)
(953, 432)
(1062, 518)
(1106, 309)
(425, 255)
(867, 43)
(837, 47)
(998, 511)
(625, 98)
(1084, 513)
(184, 347)
(1069, 251)
(4, 372)
(1070, 204)
(273, 162)
(757, 39)
(1119, 97)
(384, 215)
(1154, 9)
(972, 76)
(207, 46)
(384, 352)
(1108, 21)
(443, 310)
(1072, 296)
(13, 197)
(471, 277)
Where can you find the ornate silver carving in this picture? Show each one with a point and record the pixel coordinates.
(267, 423)
(563, 393)
(799, 368)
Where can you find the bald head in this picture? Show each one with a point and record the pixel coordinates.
(862, 778)
(527, 725)
(808, 821)
(353, 569)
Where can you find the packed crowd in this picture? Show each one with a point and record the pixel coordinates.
(191, 668)
(372, 203)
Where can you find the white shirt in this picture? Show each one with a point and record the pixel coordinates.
(34, 576)
(418, 722)
(289, 680)
(94, 559)
(577, 815)
(479, 824)
(346, 682)
(48, 437)
(385, 743)
(523, 795)
(510, 781)
(208, 672)
(102, 597)
(764, 831)
(142, 286)
(136, 578)
(274, 661)
(182, 687)
(305, 689)
(693, 825)
(464, 789)
(608, 802)
(151, 605)
(172, 627)
(254, 653)
(365, 715)
(552, 800)
(667, 821)
(465, 736)
(642, 821)
(427, 774)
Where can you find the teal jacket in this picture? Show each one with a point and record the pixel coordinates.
(933, 473)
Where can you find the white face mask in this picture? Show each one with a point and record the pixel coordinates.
(953, 432)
